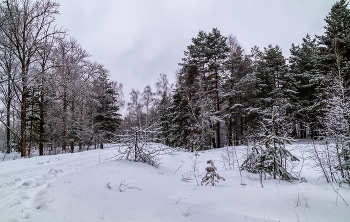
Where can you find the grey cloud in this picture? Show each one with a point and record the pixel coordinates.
(137, 39)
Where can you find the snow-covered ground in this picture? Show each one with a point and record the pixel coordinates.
(73, 187)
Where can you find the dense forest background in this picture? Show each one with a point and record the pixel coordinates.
(56, 100)
(225, 96)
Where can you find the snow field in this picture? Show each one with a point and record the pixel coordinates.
(73, 187)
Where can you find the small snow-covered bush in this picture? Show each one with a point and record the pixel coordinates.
(211, 177)
(137, 145)
(228, 158)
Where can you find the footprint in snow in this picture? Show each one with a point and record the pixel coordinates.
(27, 184)
(11, 183)
(14, 203)
(42, 180)
(25, 197)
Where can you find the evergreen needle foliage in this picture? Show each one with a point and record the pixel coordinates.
(211, 177)
(270, 156)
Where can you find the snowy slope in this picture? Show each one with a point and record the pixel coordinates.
(72, 187)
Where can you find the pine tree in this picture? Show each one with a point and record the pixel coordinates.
(238, 66)
(200, 77)
(216, 54)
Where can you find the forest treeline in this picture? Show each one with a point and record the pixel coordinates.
(54, 98)
(224, 95)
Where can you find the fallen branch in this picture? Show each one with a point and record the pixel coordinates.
(339, 195)
(123, 185)
(186, 179)
(109, 185)
(178, 168)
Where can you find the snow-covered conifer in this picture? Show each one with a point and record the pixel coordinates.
(270, 154)
(211, 177)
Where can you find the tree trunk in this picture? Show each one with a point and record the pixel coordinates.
(236, 131)
(274, 161)
(230, 132)
(214, 144)
(340, 162)
(23, 120)
(135, 146)
(242, 129)
(64, 143)
(218, 134)
(41, 125)
(31, 125)
(218, 110)
(72, 147)
(8, 116)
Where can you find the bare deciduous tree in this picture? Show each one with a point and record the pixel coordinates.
(27, 24)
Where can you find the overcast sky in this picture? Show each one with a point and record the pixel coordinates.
(139, 39)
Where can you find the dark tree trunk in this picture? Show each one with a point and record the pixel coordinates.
(236, 131)
(41, 125)
(242, 129)
(218, 134)
(230, 132)
(65, 105)
(8, 117)
(72, 147)
(214, 144)
(274, 161)
(23, 119)
(31, 125)
(218, 110)
(135, 146)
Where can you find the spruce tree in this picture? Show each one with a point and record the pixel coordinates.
(211, 176)
(335, 46)
(181, 131)
(107, 118)
(271, 72)
(336, 40)
(164, 119)
(270, 154)
(309, 102)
